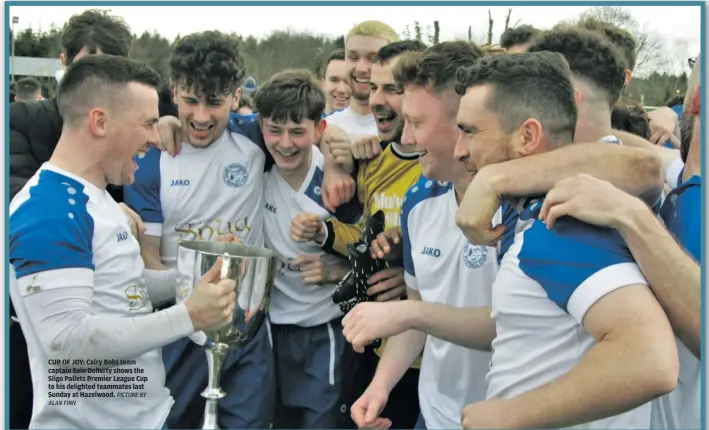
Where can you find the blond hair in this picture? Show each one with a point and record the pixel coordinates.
(374, 28)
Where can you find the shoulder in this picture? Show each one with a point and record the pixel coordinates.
(681, 213)
(50, 226)
(244, 125)
(423, 190)
(43, 113)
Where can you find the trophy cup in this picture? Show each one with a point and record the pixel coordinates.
(254, 270)
(353, 287)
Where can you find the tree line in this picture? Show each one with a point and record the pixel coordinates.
(288, 49)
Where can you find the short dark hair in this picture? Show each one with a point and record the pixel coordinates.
(97, 31)
(394, 49)
(26, 88)
(293, 95)
(519, 35)
(532, 85)
(591, 57)
(209, 63)
(436, 67)
(622, 39)
(99, 79)
(632, 118)
(336, 55)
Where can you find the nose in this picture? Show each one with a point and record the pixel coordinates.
(376, 98)
(285, 141)
(201, 114)
(407, 135)
(461, 149)
(343, 87)
(363, 65)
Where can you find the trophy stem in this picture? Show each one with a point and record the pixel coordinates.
(215, 359)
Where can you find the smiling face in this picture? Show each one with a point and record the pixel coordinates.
(336, 85)
(291, 143)
(129, 133)
(203, 118)
(385, 99)
(361, 52)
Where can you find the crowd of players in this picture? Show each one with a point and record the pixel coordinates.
(529, 282)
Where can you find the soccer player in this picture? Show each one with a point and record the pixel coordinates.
(361, 45)
(306, 323)
(569, 295)
(77, 279)
(382, 184)
(213, 187)
(673, 272)
(336, 82)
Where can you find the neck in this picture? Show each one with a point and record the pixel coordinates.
(71, 155)
(460, 185)
(594, 123)
(296, 177)
(328, 109)
(360, 106)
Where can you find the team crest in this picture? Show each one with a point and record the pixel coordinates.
(235, 175)
(474, 256)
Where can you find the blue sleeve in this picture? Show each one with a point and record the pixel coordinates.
(52, 230)
(561, 259)
(509, 220)
(688, 225)
(143, 196)
(423, 189)
(248, 125)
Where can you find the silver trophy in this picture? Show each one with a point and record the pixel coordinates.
(254, 270)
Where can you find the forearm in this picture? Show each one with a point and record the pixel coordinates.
(329, 162)
(68, 328)
(612, 378)
(150, 251)
(468, 327)
(672, 274)
(161, 285)
(400, 353)
(636, 171)
(667, 155)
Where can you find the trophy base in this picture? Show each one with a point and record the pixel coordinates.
(209, 421)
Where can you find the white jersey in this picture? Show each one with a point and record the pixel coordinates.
(548, 280)
(674, 171)
(80, 236)
(354, 124)
(201, 193)
(294, 301)
(445, 268)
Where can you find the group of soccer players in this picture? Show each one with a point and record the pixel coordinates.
(529, 282)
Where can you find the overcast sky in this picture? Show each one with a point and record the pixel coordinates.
(678, 26)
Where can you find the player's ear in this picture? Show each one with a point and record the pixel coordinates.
(320, 128)
(529, 138)
(260, 121)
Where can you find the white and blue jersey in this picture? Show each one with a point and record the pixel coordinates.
(295, 302)
(445, 268)
(202, 193)
(64, 233)
(548, 280)
(681, 214)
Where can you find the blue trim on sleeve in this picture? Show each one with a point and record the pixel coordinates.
(143, 195)
(52, 229)
(248, 126)
(561, 259)
(423, 189)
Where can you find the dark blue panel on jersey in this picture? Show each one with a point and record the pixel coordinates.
(52, 229)
(248, 126)
(143, 196)
(682, 215)
(423, 189)
(561, 259)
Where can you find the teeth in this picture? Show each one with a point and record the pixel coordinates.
(141, 154)
(361, 81)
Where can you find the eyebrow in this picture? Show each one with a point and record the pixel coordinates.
(467, 128)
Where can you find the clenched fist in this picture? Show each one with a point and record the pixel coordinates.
(307, 227)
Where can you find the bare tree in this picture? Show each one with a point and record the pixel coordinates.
(470, 33)
(436, 32)
(490, 24)
(649, 49)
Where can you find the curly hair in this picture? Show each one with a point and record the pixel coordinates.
(96, 31)
(293, 95)
(520, 35)
(532, 85)
(622, 39)
(591, 58)
(208, 62)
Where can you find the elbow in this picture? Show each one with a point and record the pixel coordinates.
(662, 373)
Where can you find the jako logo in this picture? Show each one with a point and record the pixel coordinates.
(120, 237)
(270, 208)
(180, 183)
(433, 252)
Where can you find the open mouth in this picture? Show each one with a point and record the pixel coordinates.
(287, 154)
(361, 82)
(422, 153)
(138, 155)
(385, 120)
(200, 128)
